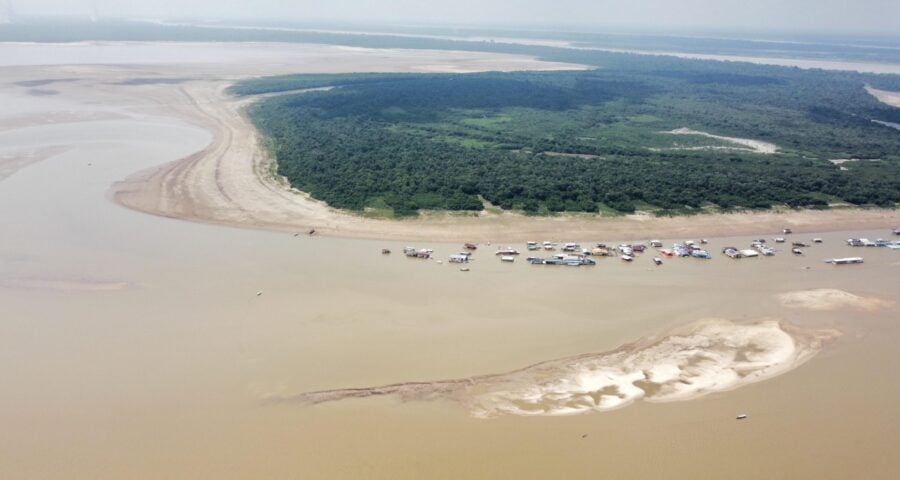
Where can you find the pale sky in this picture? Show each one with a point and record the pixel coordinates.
(858, 16)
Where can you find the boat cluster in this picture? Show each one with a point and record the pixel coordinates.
(865, 242)
(573, 254)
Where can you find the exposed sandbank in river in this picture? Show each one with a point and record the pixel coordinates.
(166, 380)
(701, 358)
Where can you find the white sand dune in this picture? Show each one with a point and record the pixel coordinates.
(755, 146)
(885, 96)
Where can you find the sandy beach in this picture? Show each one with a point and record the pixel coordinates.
(143, 346)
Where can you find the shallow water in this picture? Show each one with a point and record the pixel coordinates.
(137, 346)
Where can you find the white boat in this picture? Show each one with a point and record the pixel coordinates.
(844, 261)
(627, 258)
(464, 269)
(741, 416)
(749, 253)
(507, 258)
(507, 251)
(657, 260)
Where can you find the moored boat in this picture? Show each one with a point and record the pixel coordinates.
(844, 261)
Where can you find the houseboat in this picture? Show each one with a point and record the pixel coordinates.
(844, 261)
(459, 258)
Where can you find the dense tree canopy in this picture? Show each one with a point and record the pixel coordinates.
(583, 141)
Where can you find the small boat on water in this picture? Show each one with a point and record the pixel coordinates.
(627, 258)
(385, 251)
(817, 240)
(844, 261)
(507, 251)
(657, 261)
(667, 253)
(507, 258)
(471, 246)
(532, 246)
(571, 247)
(779, 240)
(797, 251)
(787, 231)
(464, 269)
(741, 416)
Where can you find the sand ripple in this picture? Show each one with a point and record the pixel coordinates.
(701, 358)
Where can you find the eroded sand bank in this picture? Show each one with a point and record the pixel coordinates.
(830, 299)
(702, 358)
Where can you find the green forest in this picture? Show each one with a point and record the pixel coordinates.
(584, 141)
